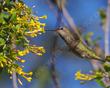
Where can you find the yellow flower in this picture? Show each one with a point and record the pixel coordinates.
(19, 70)
(32, 33)
(43, 17)
(99, 74)
(1, 64)
(37, 50)
(18, 18)
(32, 23)
(25, 17)
(20, 82)
(28, 79)
(12, 11)
(24, 52)
(20, 60)
(19, 5)
(30, 73)
(43, 24)
(84, 77)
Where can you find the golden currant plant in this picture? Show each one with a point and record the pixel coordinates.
(16, 24)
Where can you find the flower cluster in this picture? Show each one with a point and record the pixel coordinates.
(16, 24)
(88, 77)
(84, 77)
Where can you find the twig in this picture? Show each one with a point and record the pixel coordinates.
(59, 18)
(14, 80)
(52, 62)
(106, 80)
(52, 59)
(70, 21)
(107, 30)
(14, 77)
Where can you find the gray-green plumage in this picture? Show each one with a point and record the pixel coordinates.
(76, 45)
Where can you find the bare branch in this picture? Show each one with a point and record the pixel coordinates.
(70, 21)
(52, 62)
(14, 77)
(107, 30)
(14, 80)
(106, 80)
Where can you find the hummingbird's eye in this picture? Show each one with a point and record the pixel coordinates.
(61, 28)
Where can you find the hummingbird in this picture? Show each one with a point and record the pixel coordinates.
(76, 44)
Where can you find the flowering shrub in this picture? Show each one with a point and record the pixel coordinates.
(16, 24)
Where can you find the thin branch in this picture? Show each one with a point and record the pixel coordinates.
(107, 30)
(106, 80)
(14, 77)
(52, 62)
(14, 80)
(60, 4)
(59, 18)
(52, 59)
(70, 21)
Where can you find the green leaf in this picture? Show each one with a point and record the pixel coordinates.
(2, 57)
(99, 81)
(96, 40)
(107, 66)
(13, 17)
(17, 26)
(4, 60)
(2, 41)
(7, 1)
(107, 58)
(102, 14)
(88, 39)
(4, 18)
